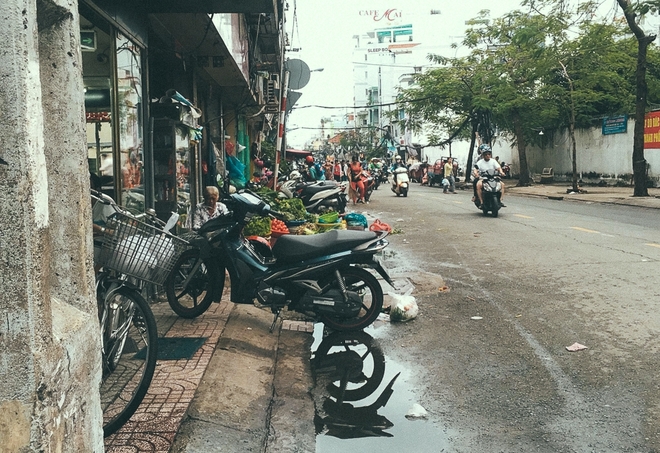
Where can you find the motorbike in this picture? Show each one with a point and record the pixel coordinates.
(506, 168)
(491, 192)
(322, 275)
(369, 185)
(400, 181)
(319, 196)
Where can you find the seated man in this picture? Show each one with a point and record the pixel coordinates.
(209, 209)
(486, 164)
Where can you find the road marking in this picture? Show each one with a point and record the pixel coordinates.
(585, 230)
(654, 245)
(523, 216)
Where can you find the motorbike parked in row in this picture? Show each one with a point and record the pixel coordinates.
(400, 181)
(319, 196)
(491, 192)
(322, 275)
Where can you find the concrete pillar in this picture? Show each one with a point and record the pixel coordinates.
(49, 340)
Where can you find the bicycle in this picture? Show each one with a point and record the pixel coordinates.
(135, 250)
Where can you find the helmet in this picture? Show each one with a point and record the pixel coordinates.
(309, 159)
(397, 157)
(485, 149)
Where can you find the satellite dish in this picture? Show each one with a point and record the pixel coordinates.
(298, 73)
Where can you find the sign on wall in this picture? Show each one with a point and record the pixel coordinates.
(652, 130)
(615, 125)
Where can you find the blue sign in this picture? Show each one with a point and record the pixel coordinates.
(615, 125)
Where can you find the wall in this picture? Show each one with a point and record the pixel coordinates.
(599, 157)
(49, 341)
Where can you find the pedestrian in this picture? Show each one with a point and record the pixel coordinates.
(337, 171)
(449, 176)
(345, 170)
(357, 185)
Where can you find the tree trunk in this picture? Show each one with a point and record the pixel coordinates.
(643, 41)
(524, 179)
(470, 159)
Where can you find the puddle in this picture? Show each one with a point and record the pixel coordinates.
(362, 397)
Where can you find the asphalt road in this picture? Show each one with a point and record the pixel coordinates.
(542, 276)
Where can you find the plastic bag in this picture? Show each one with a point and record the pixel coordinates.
(380, 226)
(354, 218)
(404, 307)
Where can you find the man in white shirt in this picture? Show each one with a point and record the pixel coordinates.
(487, 164)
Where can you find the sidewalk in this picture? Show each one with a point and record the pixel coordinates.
(237, 392)
(592, 194)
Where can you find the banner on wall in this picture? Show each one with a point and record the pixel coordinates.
(652, 130)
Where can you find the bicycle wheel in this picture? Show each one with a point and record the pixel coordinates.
(368, 289)
(130, 340)
(197, 295)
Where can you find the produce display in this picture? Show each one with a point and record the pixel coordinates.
(293, 209)
(258, 226)
(278, 227)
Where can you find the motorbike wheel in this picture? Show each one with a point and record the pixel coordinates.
(366, 285)
(197, 296)
(495, 210)
(348, 382)
(404, 192)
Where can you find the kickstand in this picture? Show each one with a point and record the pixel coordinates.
(272, 326)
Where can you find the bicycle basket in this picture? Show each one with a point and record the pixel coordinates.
(139, 250)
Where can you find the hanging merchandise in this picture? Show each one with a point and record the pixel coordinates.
(229, 146)
(236, 171)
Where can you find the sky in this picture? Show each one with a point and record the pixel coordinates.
(323, 32)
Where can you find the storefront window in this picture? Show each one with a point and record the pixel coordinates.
(129, 107)
(96, 46)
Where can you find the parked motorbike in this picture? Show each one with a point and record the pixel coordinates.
(491, 193)
(400, 181)
(319, 196)
(321, 275)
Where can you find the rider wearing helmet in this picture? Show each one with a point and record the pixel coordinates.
(314, 171)
(486, 163)
(398, 163)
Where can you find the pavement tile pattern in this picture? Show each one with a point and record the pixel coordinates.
(156, 422)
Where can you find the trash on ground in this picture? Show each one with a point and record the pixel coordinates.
(416, 411)
(444, 289)
(476, 317)
(518, 315)
(576, 347)
(383, 317)
(404, 307)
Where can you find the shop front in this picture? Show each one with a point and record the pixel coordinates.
(162, 91)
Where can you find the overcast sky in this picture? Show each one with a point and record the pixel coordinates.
(323, 32)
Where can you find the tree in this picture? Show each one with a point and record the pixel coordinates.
(643, 42)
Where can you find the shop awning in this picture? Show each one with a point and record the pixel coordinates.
(297, 154)
(215, 6)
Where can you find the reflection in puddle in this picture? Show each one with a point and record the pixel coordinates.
(361, 398)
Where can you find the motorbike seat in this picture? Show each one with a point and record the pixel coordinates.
(292, 248)
(315, 188)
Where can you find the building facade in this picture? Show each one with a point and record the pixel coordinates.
(149, 96)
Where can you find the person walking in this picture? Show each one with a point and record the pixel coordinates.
(449, 176)
(337, 171)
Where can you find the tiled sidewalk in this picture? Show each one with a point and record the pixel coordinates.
(154, 425)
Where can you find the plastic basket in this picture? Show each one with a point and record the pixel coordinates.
(139, 250)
